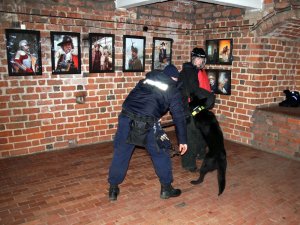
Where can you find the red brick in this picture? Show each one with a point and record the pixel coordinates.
(31, 110)
(3, 140)
(15, 139)
(45, 116)
(14, 91)
(37, 149)
(18, 152)
(16, 104)
(4, 98)
(35, 136)
(28, 83)
(23, 146)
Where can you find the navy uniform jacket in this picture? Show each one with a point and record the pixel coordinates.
(149, 98)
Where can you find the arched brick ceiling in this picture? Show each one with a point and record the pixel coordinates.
(284, 23)
(252, 4)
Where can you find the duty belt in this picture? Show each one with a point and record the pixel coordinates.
(133, 116)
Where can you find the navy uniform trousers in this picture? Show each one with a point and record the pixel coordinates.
(123, 151)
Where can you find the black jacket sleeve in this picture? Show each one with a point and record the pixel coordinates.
(189, 86)
(177, 112)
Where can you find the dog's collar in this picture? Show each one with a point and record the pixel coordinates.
(197, 109)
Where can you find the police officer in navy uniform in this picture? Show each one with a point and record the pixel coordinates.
(139, 125)
(190, 83)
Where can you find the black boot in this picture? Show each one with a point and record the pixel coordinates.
(113, 192)
(168, 191)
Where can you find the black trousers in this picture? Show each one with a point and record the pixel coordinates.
(196, 145)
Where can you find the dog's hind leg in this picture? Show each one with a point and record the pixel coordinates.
(208, 165)
(200, 179)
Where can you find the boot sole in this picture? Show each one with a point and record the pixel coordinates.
(112, 199)
(164, 196)
(168, 196)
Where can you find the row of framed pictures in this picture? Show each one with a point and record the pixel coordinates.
(220, 81)
(24, 53)
(219, 51)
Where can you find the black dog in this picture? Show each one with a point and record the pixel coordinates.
(215, 158)
(292, 99)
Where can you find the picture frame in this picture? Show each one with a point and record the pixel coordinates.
(23, 49)
(101, 53)
(219, 51)
(220, 81)
(212, 51)
(224, 82)
(65, 53)
(213, 79)
(225, 51)
(134, 53)
(161, 53)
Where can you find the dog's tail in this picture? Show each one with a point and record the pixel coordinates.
(222, 165)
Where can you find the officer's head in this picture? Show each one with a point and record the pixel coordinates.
(171, 71)
(198, 57)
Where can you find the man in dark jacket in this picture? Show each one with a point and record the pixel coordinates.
(139, 125)
(193, 81)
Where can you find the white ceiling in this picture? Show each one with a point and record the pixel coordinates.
(247, 4)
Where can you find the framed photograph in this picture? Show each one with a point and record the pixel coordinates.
(224, 82)
(65, 53)
(134, 53)
(225, 51)
(213, 79)
(212, 51)
(23, 52)
(101, 53)
(219, 51)
(220, 81)
(161, 53)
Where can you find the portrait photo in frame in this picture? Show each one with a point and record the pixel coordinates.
(23, 52)
(220, 81)
(213, 79)
(224, 82)
(101, 53)
(225, 51)
(161, 53)
(212, 51)
(65, 53)
(134, 53)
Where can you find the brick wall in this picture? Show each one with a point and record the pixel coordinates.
(276, 133)
(40, 113)
(263, 66)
